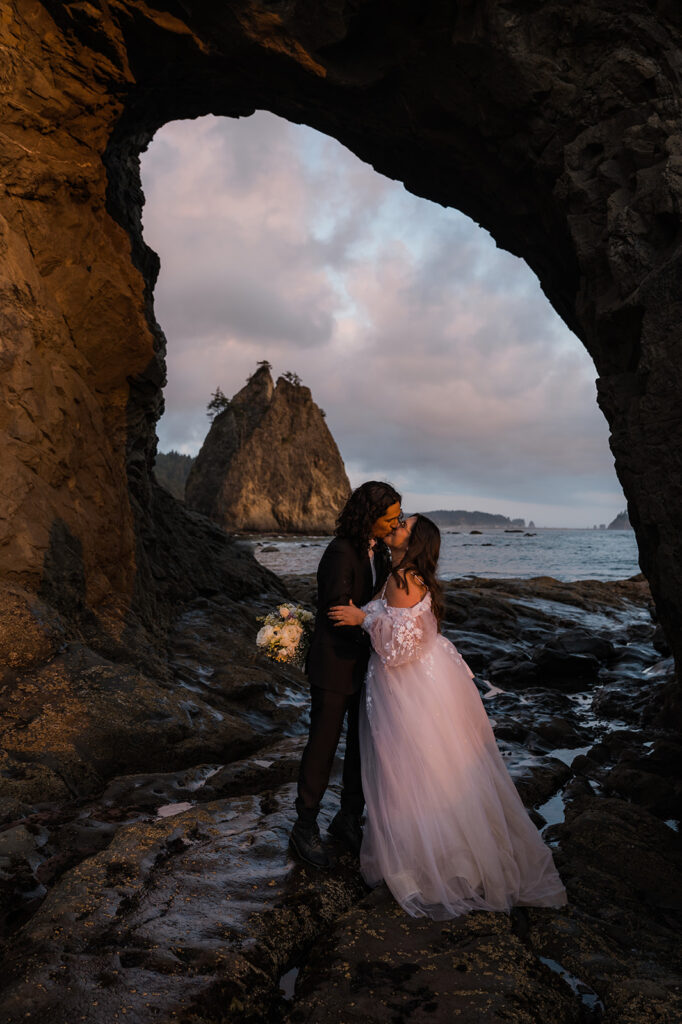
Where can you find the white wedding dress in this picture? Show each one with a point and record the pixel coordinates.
(445, 827)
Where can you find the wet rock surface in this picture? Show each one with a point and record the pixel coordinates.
(379, 965)
(145, 873)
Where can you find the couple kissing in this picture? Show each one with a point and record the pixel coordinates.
(444, 826)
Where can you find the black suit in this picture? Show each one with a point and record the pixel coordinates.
(336, 666)
(337, 659)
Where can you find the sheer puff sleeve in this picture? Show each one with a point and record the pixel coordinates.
(400, 635)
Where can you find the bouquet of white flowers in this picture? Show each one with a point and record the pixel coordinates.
(285, 634)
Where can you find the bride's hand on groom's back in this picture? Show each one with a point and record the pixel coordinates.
(346, 615)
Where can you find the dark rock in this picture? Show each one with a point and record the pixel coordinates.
(511, 730)
(578, 787)
(537, 782)
(561, 731)
(660, 642)
(623, 871)
(627, 698)
(648, 774)
(661, 796)
(569, 672)
(630, 847)
(640, 630)
(579, 641)
(380, 965)
(221, 703)
(631, 660)
(571, 660)
(151, 790)
(539, 609)
(515, 672)
(189, 915)
(494, 617)
(272, 767)
(478, 649)
(665, 757)
(102, 897)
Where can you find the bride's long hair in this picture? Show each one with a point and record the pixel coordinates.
(421, 556)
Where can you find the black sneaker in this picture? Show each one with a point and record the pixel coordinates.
(347, 829)
(306, 842)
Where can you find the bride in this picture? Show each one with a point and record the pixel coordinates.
(445, 829)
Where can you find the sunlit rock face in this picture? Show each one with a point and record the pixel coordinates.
(269, 462)
(556, 126)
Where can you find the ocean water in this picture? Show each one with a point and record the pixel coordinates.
(563, 554)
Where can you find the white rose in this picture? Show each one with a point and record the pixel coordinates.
(264, 636)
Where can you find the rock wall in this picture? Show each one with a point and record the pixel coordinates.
(269, 463)
(556, 126)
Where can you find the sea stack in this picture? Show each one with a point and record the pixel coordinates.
(621, 522)
(269, 462)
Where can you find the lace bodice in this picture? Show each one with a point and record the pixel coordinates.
(400, 635)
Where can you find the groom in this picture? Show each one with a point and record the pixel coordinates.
(353, 567)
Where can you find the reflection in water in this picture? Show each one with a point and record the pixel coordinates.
(568, 755)
(169, 809)
(588, 997)
(287, 982)
(553, 811)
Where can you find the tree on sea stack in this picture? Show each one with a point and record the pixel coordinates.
(269, 462)
(218, 403)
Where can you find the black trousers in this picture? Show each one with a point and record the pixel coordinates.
(327, 712)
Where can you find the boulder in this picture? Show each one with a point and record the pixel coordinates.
(513, 671)
(565, 670)
(580, 641)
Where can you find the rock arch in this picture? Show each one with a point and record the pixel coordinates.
(556, 126)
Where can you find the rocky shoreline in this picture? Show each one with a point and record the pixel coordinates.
(144, 868)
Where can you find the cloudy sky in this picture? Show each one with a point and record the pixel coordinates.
(439, 362)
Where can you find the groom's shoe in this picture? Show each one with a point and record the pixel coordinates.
(306, 842)
(346, 827)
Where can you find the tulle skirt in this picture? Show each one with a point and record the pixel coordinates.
(445, 827)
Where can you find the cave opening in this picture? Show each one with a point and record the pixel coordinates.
(438, 360)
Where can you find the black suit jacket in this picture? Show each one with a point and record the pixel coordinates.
(338, 655)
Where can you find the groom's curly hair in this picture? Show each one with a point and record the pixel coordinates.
(367, 503)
